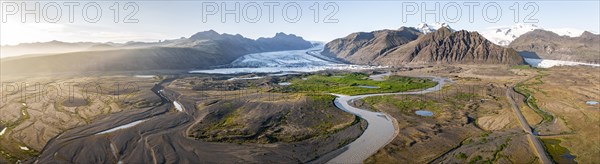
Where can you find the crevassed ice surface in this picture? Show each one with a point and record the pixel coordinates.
(293, 58)
(309, 60)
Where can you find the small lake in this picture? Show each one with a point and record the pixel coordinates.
(245, 78)
(368, 86)
(591, 102)
(285, 83)
(424, 113)
(144, 76)
(284, 73)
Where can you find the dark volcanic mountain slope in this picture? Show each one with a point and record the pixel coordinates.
(549, 45)
(444, 46)
(440, 47)
(363, 47)
(202, 50)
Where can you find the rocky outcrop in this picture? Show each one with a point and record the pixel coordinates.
(364, 47)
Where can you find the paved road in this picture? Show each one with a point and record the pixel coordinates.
(381, 128)
(533, 138)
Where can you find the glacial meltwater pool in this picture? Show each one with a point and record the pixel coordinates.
(424, 113)
(285, 83)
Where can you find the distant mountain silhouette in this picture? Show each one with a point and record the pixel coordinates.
(201, 50)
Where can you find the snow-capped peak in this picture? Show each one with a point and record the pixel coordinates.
(426, 28)
(504, 35)
(571, 32)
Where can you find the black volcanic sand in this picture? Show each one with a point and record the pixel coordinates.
(163, 138)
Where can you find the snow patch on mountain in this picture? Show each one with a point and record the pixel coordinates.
(428, 28)
(503, 36)
(571, 32)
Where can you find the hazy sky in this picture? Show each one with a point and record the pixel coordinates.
(157, 20)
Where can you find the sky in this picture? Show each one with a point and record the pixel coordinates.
(158, 20)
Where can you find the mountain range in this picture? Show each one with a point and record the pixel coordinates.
(549, 45)
(424, 44)
(201, 50)
(440, 44)
(409, 45)
(505, 35)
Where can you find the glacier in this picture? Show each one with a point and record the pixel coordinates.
(545, 63)
(308, 60)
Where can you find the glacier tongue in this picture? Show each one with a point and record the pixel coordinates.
(545, 63)
(294, 58)
(286, 69)
(309, 60)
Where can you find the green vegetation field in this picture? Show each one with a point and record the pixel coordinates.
(349, 84)
(556, 151)
(411, 103)
(405, 104)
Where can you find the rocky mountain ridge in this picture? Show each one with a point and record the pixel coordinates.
(549, 45)
(410, 46)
